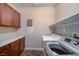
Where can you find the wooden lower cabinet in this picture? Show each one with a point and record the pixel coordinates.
(22, 44)
(4, 50)
(13, 49)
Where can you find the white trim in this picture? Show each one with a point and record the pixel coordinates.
(41, 49)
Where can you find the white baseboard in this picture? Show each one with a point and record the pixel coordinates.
(40, 49)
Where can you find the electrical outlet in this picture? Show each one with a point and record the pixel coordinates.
(75, 35)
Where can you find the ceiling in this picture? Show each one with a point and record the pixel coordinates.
(34, 4)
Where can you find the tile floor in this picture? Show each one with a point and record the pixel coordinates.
(32, 53)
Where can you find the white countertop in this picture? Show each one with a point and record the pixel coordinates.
(53, 37)
(4, 42)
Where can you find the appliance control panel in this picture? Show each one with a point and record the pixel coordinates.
(74, 42)
(67, 40)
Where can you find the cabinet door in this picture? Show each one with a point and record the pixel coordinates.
(22, 44)
(14, 48)
(0, 14)
(7, 19)
(16, 19)
(4, 50)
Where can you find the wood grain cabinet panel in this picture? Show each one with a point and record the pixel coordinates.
(14, 48)
(22, 44)
(0, 14)
(16, 19)
(7, 18)
(5, 53)
(4, 50)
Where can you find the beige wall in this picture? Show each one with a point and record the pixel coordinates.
(42, 17)
(65, 10)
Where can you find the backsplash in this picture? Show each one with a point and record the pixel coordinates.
(4, 30)
(68, 26)
(68, 30)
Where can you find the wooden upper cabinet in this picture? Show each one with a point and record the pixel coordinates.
(0, 14)
(16, 19)
(7, 18)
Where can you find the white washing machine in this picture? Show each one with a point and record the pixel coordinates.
(55, 48)
(55, 45)
(49, 38)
